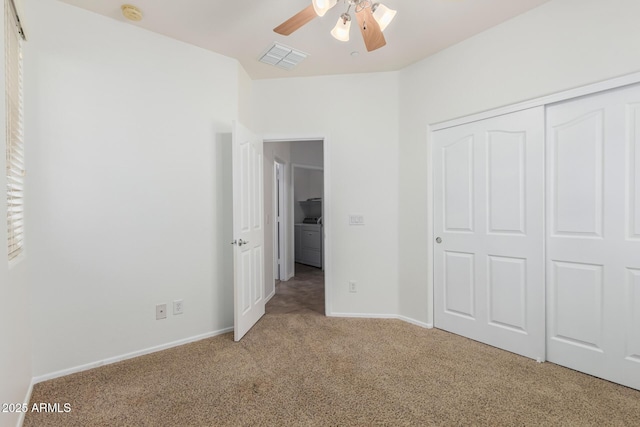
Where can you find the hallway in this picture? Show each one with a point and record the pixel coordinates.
(302, 293)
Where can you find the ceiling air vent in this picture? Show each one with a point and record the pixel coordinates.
(283, 56)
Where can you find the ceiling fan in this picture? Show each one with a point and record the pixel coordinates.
(372, 18)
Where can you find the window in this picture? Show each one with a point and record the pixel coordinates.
(15, 141)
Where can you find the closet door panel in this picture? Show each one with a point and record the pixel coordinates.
(576, 166)
(633, 156)
(506, 176)
(593, 249)
(458, 182)
(632, 338)
(488, 216)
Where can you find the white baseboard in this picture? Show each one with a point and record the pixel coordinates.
(364, 315)
(416, 322)
(27, 399)
(383, 316)
(177, 343)
(131, 355)
(271, 295)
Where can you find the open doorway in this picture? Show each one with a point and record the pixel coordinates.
(295, 246)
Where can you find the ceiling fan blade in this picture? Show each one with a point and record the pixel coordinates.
(370, 29)
(296, 21)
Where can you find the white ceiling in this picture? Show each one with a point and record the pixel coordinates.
(243, 29)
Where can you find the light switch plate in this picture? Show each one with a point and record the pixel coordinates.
(356, 219)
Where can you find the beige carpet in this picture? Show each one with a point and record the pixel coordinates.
(299, 368)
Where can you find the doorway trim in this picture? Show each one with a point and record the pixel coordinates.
(326, 204)
(279, 205)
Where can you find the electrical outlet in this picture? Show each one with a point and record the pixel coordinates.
(352, 286)
(161, 311)
(178, 307)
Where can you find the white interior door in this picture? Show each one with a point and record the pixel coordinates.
(488, 220)
(248, 230)
(593, 237)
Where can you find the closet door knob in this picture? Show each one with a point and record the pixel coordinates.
(438, 240)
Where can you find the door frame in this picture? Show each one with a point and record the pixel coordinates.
(601, 86)
(279, 204)
(326, 205)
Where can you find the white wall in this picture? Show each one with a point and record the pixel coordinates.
(308, 183)
(245, 98)
(363, 168)
(15, 323)
(127, 186)
(559, 45)
(307, 153)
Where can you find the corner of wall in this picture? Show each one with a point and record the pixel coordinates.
(245, 98)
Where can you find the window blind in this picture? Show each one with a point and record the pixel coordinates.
(14, 137)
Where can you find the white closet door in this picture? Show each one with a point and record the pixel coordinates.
(593, 232)
(488, 216)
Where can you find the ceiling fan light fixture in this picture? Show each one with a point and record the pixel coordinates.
(383, 15)
(372, 19)
(341, 30)
(322, 6)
